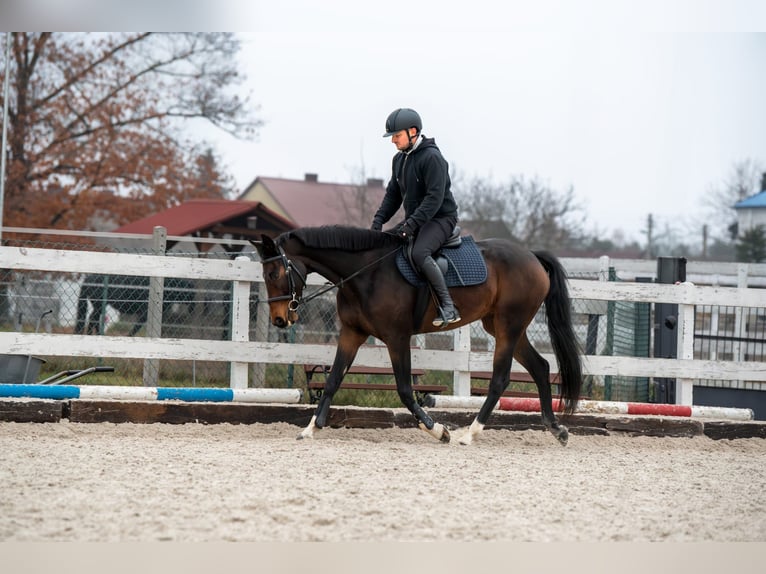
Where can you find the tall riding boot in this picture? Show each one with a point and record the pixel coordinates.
(447, 311)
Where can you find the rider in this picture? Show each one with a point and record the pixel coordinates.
(420, 179)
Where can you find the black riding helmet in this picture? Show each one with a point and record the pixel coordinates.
(402, 119)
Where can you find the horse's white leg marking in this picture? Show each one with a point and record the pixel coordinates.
(308, 432)
(473, 431)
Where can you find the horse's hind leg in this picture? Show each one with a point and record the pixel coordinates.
(501, 369)
(539, 369)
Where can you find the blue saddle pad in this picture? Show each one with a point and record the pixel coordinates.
(465, 265)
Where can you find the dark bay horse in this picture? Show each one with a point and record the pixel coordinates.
(374, 299)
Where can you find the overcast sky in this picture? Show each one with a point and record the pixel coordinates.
(640, 111)
(640, 106)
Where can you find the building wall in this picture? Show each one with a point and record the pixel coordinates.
(258, 192)
(748, 218)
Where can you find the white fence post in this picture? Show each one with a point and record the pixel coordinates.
(685, 346)
(151, 375)
(261, 334)
(240, 325)
(461, 379)
(738, 349)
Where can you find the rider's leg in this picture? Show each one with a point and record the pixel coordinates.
(448, 312)
(430, 238)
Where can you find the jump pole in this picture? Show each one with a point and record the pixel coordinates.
(600, 407)
(189, 394)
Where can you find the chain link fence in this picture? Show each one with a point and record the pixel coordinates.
(95, 304)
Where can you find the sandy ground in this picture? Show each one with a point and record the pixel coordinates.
(107, 482)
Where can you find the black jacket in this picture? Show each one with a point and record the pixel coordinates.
(419, 179)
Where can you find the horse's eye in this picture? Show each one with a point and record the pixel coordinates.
(274, 274)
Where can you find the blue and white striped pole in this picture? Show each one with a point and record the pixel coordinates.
(189, 394)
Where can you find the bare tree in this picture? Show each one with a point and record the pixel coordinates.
(533, 213)
(96, 124)
(742, 182)
(361, 199)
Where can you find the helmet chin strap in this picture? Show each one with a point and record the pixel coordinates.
(410, 140)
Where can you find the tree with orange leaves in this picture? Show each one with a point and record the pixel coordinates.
(97, 125)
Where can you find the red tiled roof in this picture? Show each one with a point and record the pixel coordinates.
(311, 203)
(202, 214)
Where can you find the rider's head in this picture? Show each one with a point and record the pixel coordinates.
(403, 125)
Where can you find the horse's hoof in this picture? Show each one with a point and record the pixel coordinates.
(563, 436)
(438, 431)
(304, 434)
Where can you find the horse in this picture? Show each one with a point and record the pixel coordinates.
(128, 295)
(373, 299)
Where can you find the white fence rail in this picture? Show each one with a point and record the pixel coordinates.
(240, 352)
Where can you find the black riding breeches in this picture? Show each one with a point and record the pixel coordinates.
(430, 238)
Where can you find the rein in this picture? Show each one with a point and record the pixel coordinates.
(296, 301)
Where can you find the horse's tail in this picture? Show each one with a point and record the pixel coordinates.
(558, 311)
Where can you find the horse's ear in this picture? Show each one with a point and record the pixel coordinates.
(266, 247)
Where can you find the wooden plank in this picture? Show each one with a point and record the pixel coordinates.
(176, 412)
(515, 377)
(48, 344)
(31, 411)
(656, 426)
(319, 385)
(682, 294)
(312, 370)
(356, 417)
(31, 259)
(732, 430)
(483, 391)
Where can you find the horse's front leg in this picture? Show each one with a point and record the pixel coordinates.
(402, 367)
(348, 344)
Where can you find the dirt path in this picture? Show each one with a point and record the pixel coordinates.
(107, 482)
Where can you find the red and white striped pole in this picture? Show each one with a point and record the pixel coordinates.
(600, 407)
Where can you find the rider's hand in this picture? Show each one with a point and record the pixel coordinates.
(405, 231)
(376, 226)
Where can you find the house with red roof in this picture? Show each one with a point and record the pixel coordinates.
(310, 202)
(212, 218)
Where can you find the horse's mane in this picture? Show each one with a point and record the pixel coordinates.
(342, 237)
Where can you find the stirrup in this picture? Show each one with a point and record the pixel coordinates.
(442, 319)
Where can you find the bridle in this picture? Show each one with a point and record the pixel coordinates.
(292, 270)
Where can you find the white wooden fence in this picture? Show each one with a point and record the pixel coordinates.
(240, 352)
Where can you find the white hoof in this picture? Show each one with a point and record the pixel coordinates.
(471, 432)
(438, 432)
(308, 432)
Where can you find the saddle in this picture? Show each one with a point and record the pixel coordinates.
(458, 258)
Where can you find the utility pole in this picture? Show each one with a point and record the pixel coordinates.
(6, 82)
(704, 241)
(649, 236)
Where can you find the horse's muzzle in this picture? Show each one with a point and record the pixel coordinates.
(282, 322)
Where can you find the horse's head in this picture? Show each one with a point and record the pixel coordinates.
(284, 280)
